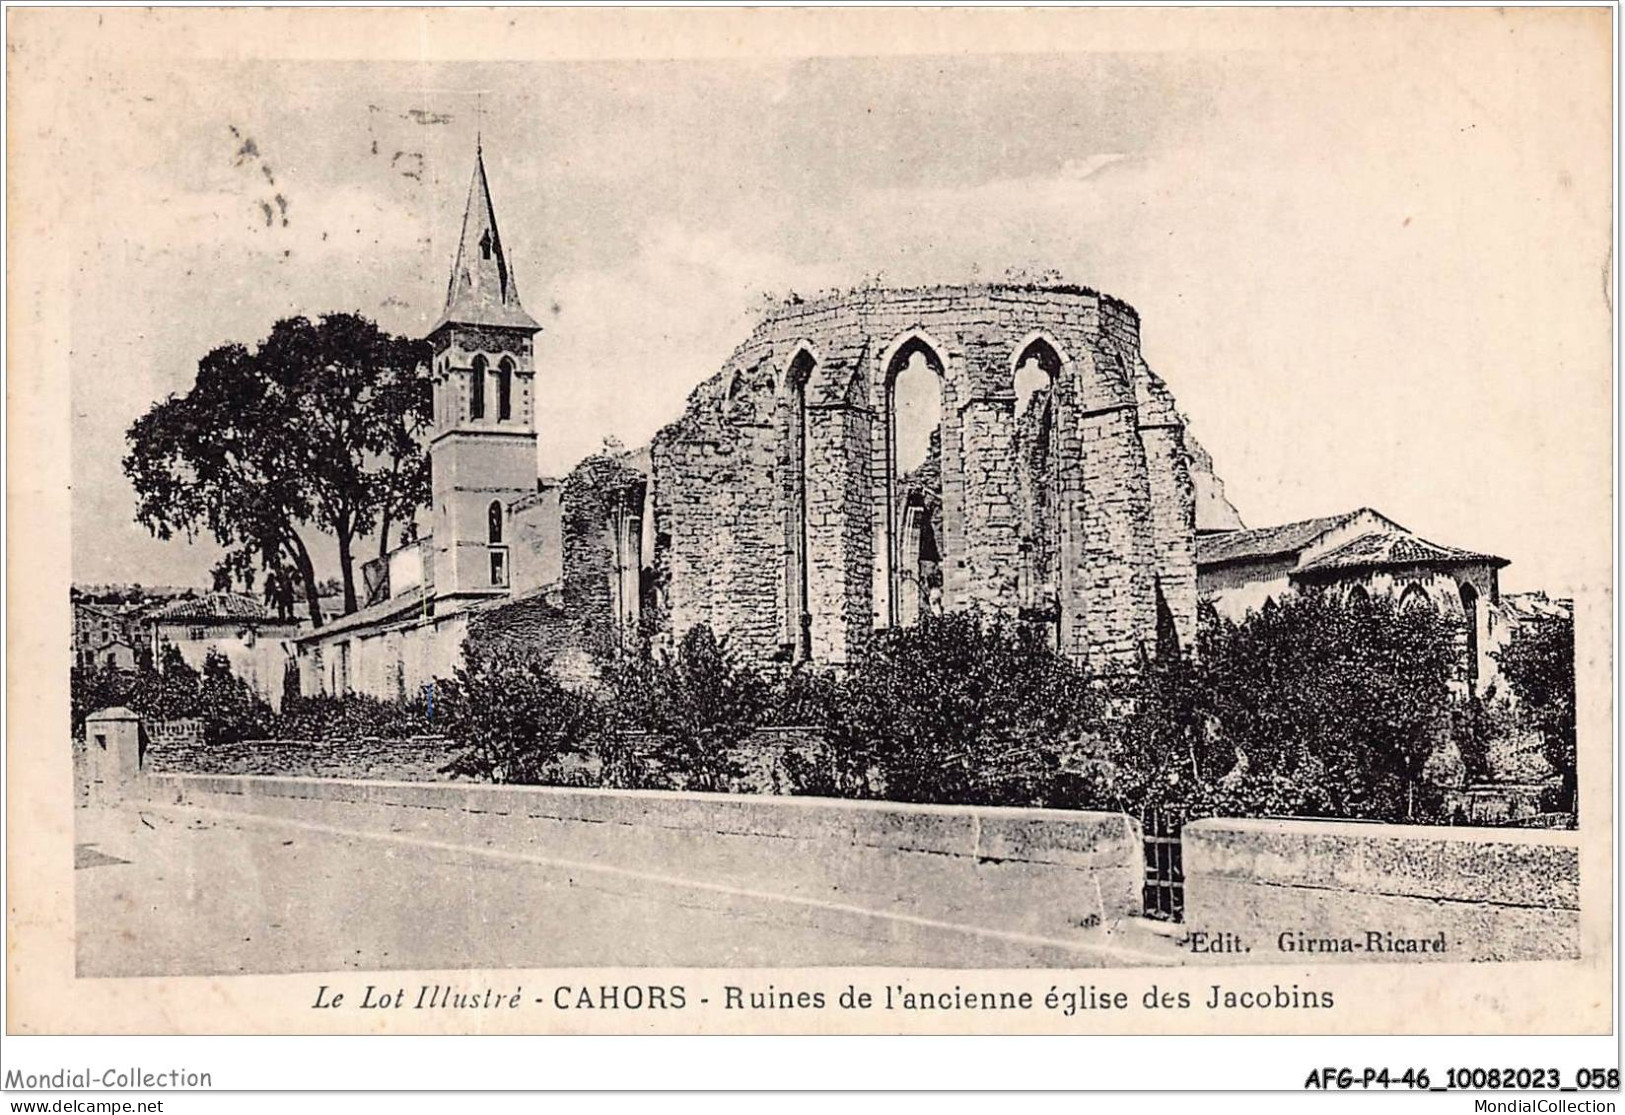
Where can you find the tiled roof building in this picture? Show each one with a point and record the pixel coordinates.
(1359, 553)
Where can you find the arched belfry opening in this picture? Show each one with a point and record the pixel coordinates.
(476, 392)
(504, 389)
(915, 409)
(798, 569)
(1036, 370)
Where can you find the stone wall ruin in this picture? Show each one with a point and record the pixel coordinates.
(781, 516)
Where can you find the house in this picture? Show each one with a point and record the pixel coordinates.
(257, 644)
(106, 635)
(1359, 554)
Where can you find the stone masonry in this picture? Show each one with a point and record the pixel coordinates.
(777, 511)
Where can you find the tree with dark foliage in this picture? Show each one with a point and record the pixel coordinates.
(316, 428)
(224, 703)
(1308, 707)
(1335, 706)
(700, 705)
(1538, 664)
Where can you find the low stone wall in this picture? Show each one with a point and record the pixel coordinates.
(418, 759)
(762, 757)
(187, 732)
(1309, 890)
(1058, 874)
(1498, 803)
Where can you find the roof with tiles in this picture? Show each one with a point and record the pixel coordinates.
(482, 290)
(1523, 606)
(1392, 548)
(1265, 542)
(407, 605)
(216, 606)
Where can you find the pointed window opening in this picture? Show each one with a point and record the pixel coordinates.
(800, 579)
(1037, 368)
(485, 244)
(505, 390)
(1167, 630)
(476, 395)
(1415, 597)
(915, 406)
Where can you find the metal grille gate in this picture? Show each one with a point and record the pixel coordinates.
(1164, 891)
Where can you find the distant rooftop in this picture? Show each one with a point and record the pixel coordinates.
(1524, 606)
(214, 605)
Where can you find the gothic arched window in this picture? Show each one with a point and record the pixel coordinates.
(504, 390)
(1037, 366)
(493, 523)
(476, 394)
(1415, 597)
(915, 402)
(800, 594)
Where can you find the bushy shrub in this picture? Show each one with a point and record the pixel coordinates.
(512, 718)
(1479, 726)
(1146, 749)
(354, 716)
(1308, 707)
(802, 695)
(93, 688)
(227, 706)
(698, 706)
(959, 708)
(1335, 707)
(812, 772)
(228, 709)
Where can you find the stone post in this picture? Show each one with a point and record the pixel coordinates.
(113, 739)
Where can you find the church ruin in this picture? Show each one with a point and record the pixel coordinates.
(800, 502)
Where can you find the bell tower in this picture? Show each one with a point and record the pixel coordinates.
(482, 445)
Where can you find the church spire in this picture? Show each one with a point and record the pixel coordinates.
(482, 289)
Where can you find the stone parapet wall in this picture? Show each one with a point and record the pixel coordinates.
(1065, 876)
(1486, 894)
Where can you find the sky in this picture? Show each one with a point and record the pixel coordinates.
(1375, 275)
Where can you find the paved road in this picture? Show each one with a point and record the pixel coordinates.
(181, 890)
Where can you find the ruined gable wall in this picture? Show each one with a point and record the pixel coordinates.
(1173, 498)
(537, 546)
(719, 521)
(571, 621)
(723, 475)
